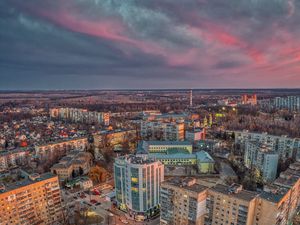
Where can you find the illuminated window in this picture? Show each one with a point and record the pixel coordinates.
(134, 179)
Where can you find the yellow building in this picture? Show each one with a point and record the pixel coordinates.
(34, 200)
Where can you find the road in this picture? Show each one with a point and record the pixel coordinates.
(110, 215)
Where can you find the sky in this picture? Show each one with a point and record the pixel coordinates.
(121, 44)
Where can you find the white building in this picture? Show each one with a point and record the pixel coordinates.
(160, 130)
(263, 158)
(291, 103)
(80, 115)
(137, 184)
(285, 147)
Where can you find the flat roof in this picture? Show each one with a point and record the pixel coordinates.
(242, 194)
(168, 142)
(183, 183)
(272, 197)
(26, 181)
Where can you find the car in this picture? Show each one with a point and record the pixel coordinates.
(93, 201)
(98, 203)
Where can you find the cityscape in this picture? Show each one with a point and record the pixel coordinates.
(160, 112)
(165, 157)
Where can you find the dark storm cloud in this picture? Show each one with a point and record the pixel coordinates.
(139, 43)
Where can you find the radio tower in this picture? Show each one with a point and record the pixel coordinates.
(191, 98)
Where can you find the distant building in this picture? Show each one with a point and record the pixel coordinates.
(262, 158)
(249, 99)
(114, 137)
(80, 115)
(32, 200)
(195, 135)
(160, 130)
(137, 184)
(291, 103)
(44, 151)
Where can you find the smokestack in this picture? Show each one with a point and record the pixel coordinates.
(191, 98)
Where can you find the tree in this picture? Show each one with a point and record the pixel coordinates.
(80, 171)
(98, 174)
(73, 174)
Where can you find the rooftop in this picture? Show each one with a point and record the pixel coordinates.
(135, 159)
(240, 194)
(168, 142)
(187, 183)
(26, 181)
(272, 197)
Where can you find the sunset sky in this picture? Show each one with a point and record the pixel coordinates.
(96, 44)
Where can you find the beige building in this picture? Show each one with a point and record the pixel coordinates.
(74, 164)
(185, 202)
(114, 137)
(60, 148)
(162, 130)
(34, 200)
(230, 205)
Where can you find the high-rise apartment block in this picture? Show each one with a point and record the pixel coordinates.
(161, 130)
(284, 146)
(262, 158)
(182, 202)
(137, 184)
(32, 200)
(80, 115)
(185, 201)
(291, 103)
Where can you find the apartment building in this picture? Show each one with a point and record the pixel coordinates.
(44, 151)
(162, 130)
(80, 115)
(137, 185)
(291, 103)
(230, 205)
(285, 147)
(13, 158)
(195, 134)
(182, 202)
(219, 204)
(32, 200)
(262, 158)
(280, 200)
